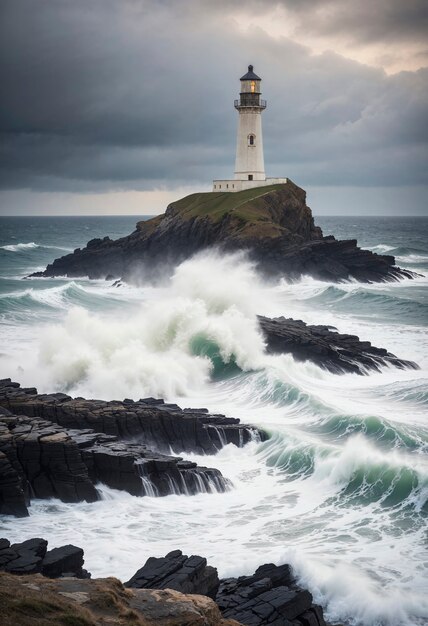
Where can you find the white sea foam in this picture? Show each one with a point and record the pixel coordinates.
(381, 248)
(167, 347)
(19, 247)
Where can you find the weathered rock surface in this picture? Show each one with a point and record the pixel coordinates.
(32, 557)
(336, 352)
(269, 596)
(14, 495)
(150, 421)
(67, 464)
(48, 450)
(177, 571)
(36, 600)
(273, 224)
(46, 461)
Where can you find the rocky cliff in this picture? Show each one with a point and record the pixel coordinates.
(273, 224)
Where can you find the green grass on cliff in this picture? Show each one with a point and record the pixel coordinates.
(216, 204)
(244, 214)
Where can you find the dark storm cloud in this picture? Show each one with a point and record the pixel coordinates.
(114, 95)
(386, 20)
(363, 20)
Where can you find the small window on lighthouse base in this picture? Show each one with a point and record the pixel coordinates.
(250, 177)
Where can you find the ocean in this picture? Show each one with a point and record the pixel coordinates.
(339, 490)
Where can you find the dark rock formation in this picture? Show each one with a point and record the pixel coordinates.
(67, 464)
(31, 557)
(177, 571)
(270, 596)
(272, 223)
(152, 422)
(46, 463)
(336, 352)
(23, 558)
(47, 449)
(14, 495)
(64, 561)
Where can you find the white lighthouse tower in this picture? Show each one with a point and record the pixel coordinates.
(249, 163)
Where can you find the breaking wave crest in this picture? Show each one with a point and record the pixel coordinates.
(22, 247)
(167, 347)
(357, 473)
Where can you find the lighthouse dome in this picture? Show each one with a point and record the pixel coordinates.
(250, 75)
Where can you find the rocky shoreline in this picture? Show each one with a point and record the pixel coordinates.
(54, 446)
(175, 590)
(272, 224)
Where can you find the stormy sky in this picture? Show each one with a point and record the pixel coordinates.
(120, 106)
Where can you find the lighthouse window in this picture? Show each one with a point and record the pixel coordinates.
(251, 140)
(253, 86)
(250, 177)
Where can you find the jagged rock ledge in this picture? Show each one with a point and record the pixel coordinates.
(55, 446)
(323, 345)
(32, 557)
(270, 596)
(170, 591)
(273, 224)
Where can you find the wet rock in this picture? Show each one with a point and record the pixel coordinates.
(31, 557)
(336, 352)
(64, 560)
(177, 571)
(13, 499)
(146, 420)
(46, 460)
(38, 455)
(23, 558)
(269, 596)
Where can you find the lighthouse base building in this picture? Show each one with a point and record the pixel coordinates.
(249, 163)
(233, 184)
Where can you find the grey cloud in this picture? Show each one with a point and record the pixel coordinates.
(130, 95)
(361, 21)
(365, 21)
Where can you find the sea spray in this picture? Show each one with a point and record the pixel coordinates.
(167, 347)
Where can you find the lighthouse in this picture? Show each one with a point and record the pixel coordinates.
(249, 162)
